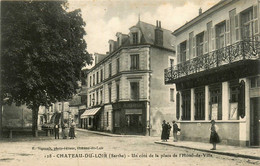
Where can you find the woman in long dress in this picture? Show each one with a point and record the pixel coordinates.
(72, 130)
(164, 131)
(214, 138)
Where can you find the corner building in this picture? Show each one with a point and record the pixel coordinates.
(217, 74)
(126, 90)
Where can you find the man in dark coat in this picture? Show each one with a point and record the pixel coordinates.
(56, 131)
(164, 131)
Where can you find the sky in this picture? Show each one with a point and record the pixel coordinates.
(104, 18)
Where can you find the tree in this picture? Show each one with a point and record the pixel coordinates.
(42, 53)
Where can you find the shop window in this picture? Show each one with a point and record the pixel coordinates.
(200, 104)
(134, 62)
(215, 102)
(172, 94)
(117, 119)
(134, 88)
(233, 99)
(255, 82)
(186, 104)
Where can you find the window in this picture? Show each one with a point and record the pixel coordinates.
(186, 104)
(255, 82)
(135, 38)
(109, 93)
(97, 97)
(93, 79)
(89, 121)
(247, 23)
(110, 69)
(172, 94)
(134, 86)
(117, 65)
(134, 62)
(97, 77)
(93, 99)
(107, 118)
(171, 62)
(200, 103)
(101, 96)
(90, 100)
(117, 90)
(101, 75)
(90, 81)
(199, 43)
(183, 51)
(220, 35)
(233, 99)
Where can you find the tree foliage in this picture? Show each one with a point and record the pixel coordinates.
(42, 53)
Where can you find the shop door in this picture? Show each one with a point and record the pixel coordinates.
(134, 123)
(254, 121)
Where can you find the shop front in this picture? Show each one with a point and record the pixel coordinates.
(91, 118)
(129, 118)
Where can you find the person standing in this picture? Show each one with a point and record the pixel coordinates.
(64, 128)
(175, 131)
(214, 138)
(168, 130)
(164, 131)
(72, 130)
(56, 131)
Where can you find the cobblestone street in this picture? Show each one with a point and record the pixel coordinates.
(90, 148)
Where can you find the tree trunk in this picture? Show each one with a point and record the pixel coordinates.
(35, 111)
(1, 122)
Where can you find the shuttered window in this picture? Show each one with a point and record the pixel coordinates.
(186, 105)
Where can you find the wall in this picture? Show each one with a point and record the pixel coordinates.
(161, 108)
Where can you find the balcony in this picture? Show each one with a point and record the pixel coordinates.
(248, 49)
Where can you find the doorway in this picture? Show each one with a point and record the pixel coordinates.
(254, 121)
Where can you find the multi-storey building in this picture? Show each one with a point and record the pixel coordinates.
(217, 74)
(126, 91)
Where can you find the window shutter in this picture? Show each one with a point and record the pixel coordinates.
(213, 38)
(178, 53)
(194, 46)
(205, 45)
(227, 32)
(237, 27)
(187, 51)
(241, 99)
(232, 30)
(255, 17)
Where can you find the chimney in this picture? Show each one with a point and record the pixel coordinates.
(156, 23)
(200, 11)
(159, 24)
(158, 34)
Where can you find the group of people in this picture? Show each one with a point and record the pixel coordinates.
(65, 132)
(166, 129)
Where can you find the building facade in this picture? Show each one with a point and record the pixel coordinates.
(217, 74)
(126, 91)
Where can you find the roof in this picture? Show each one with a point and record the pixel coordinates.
(148, 35)
(203, 15)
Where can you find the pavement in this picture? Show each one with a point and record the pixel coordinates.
(235, 151)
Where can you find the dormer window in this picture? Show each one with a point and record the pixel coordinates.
(135, 38)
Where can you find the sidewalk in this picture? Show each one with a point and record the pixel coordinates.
(107, 134)
(236, 151)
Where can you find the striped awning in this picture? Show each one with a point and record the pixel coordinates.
(90, 112)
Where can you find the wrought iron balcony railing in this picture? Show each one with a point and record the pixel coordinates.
(245, 49)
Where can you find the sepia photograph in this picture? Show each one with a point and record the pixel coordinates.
(130, 82)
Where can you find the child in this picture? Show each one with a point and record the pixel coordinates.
(214, 138)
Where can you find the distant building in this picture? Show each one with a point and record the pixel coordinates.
(217, 75)
(126, 91)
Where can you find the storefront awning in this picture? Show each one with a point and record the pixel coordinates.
(90, 112)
